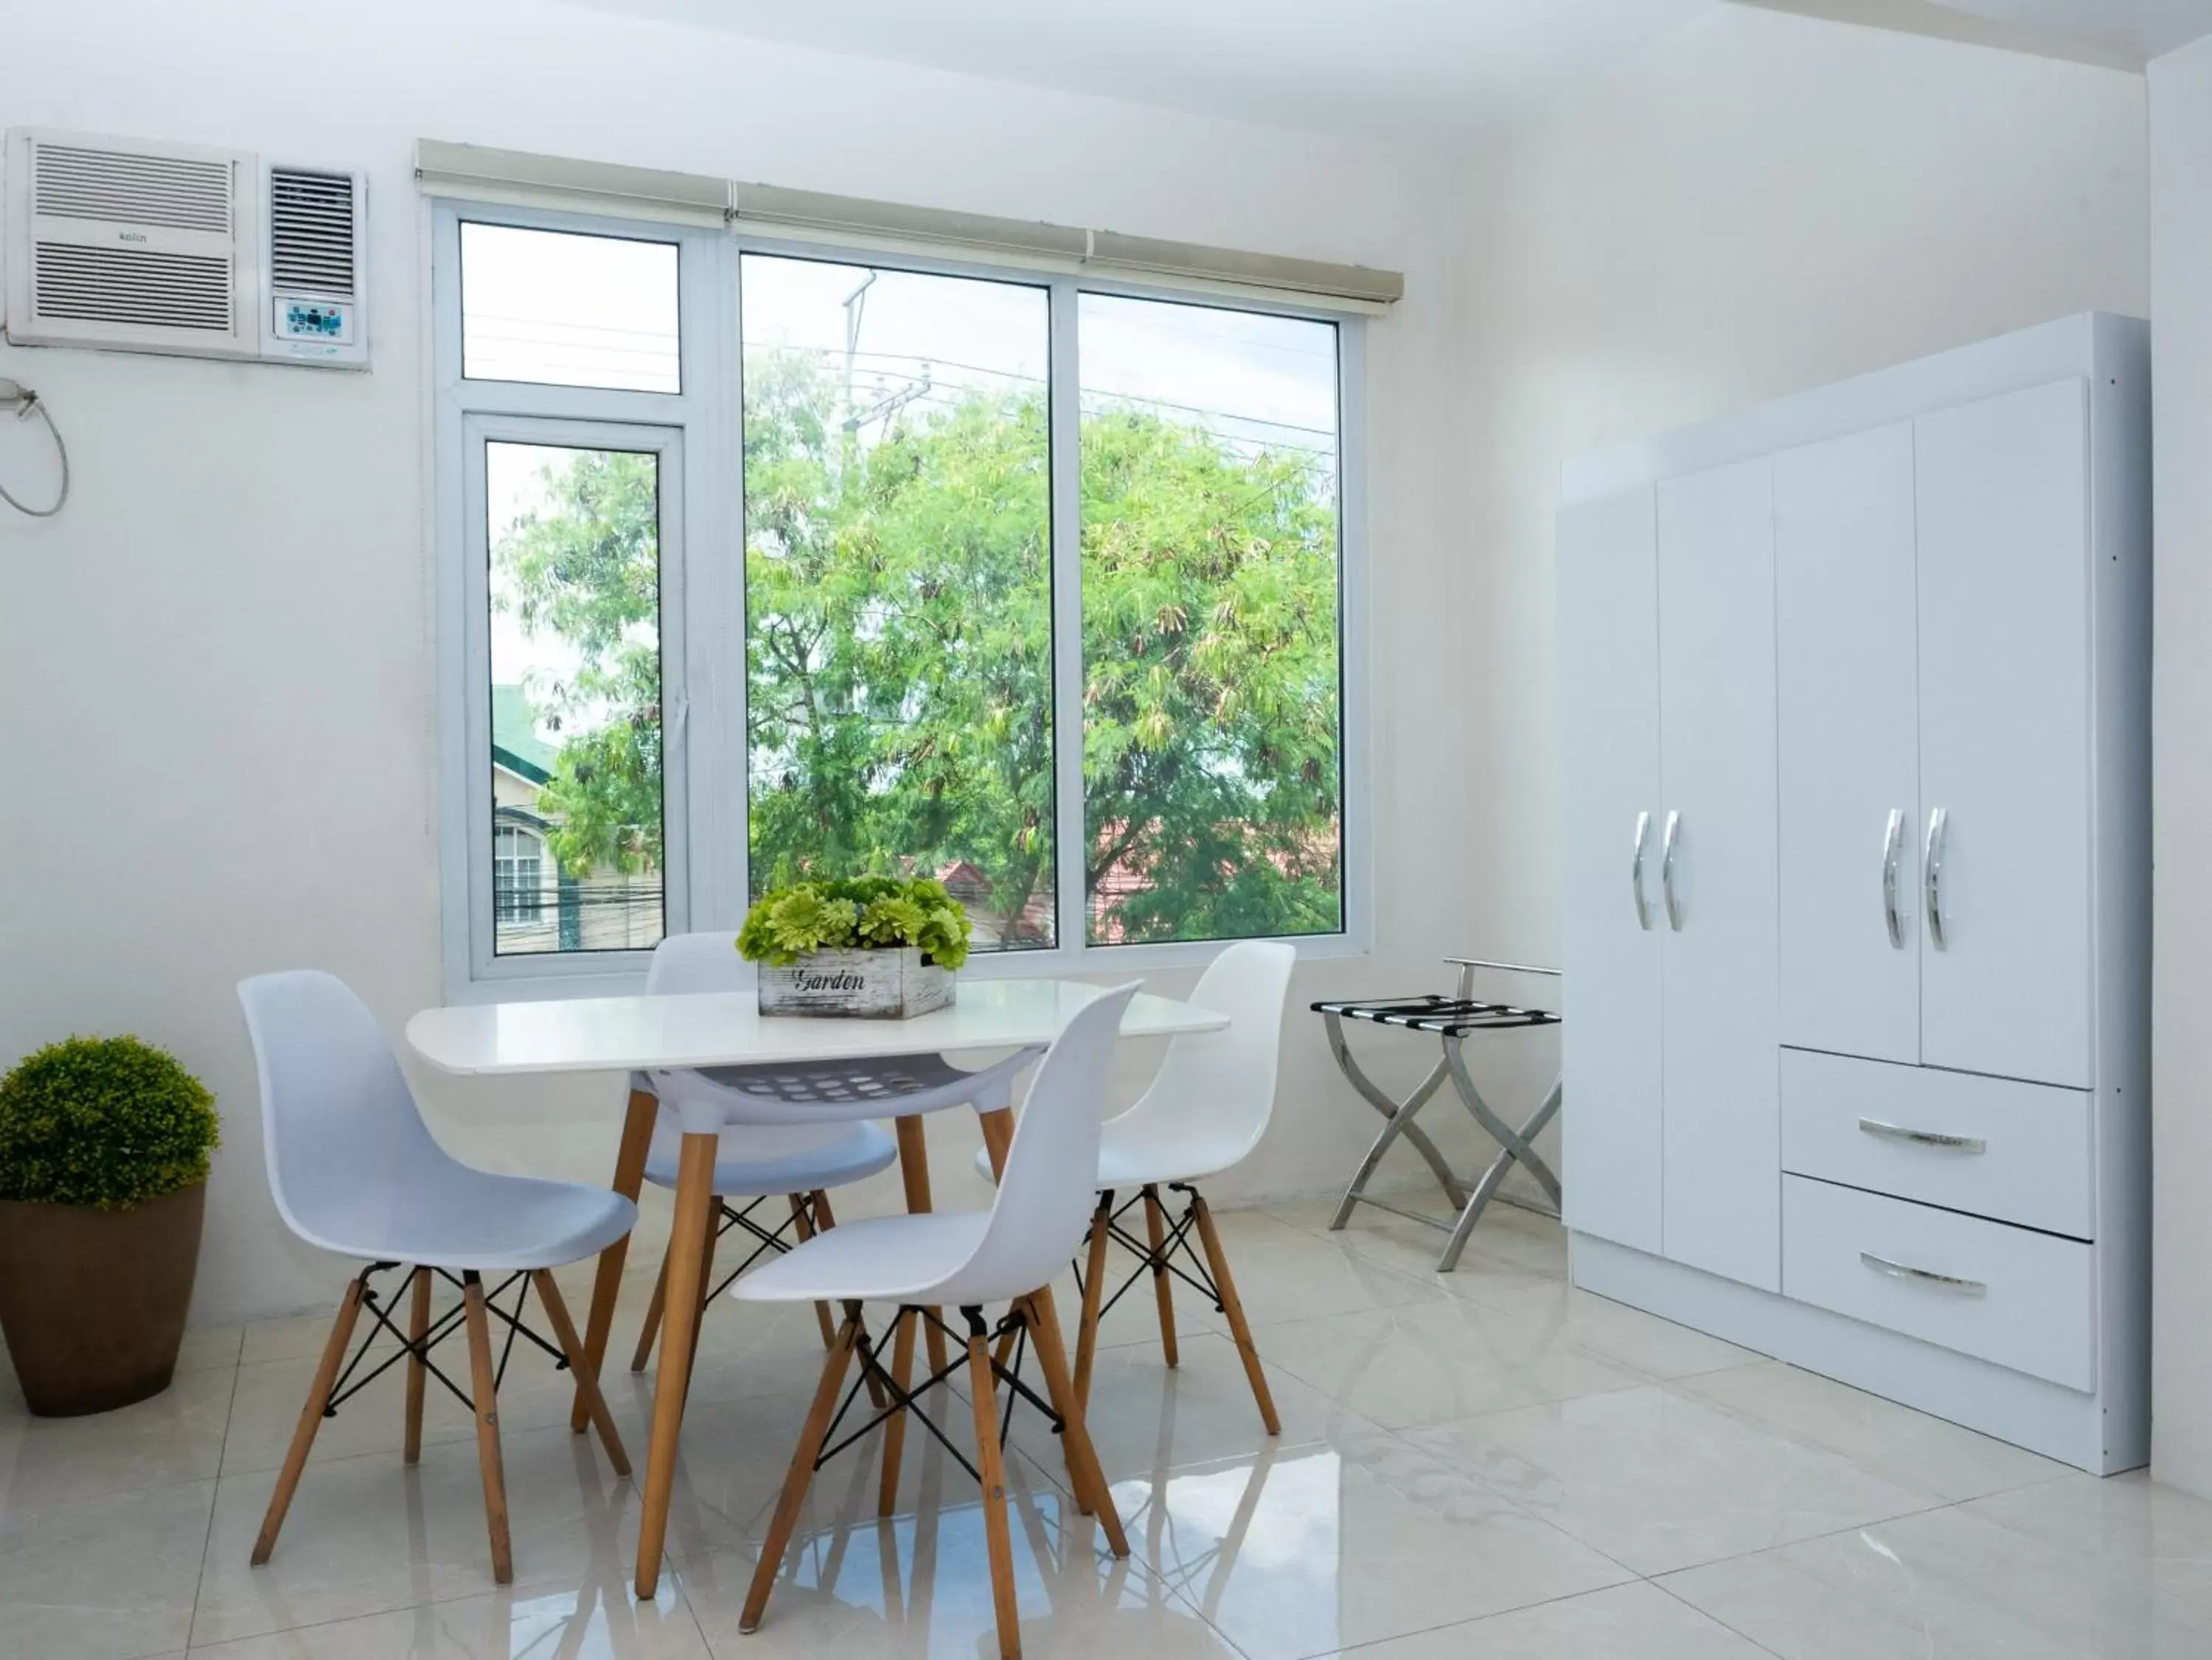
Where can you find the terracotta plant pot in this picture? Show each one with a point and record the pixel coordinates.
(93, 1302)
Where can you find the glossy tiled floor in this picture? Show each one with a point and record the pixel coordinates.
(1490, 1464)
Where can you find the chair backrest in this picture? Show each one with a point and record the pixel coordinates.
(1228, 1077)
(344, 1140)
(1051, 1175)
(684, 963)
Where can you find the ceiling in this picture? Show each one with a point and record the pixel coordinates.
(1408, 70)
(1412, 71)
(2137, 29)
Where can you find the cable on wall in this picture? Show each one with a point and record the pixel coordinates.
(29, 403)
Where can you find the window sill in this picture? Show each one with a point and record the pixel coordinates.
(1106, 962)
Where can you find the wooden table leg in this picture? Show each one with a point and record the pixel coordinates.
(914, 1170)
(687, 1239)
(630, 1178)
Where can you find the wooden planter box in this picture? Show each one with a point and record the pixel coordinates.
(880, 985)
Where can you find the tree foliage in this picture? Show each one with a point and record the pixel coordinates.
(899, 669)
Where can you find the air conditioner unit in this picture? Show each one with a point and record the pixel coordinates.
(130, 245)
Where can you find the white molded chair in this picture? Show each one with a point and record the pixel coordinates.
(964, 1260)
(353, 1169)
(1205, 1111)
(794, 1131)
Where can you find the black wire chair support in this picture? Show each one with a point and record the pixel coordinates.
(346, 1386)
(896, 1400)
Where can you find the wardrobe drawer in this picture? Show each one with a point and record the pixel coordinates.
(2019, 1299)
(2017, 1152)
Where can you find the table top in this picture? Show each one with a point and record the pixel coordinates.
(725, 1028)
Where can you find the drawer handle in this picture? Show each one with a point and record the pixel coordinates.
(1924, 1275)
(1898, 1132)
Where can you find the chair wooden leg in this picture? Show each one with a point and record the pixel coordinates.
(642, 1355)
(694, 1183)
(1217, 1262)
(1094, 1293)
(990, 1460)
(707, 1272)
(913, 1172)
(485, 1391)
(564, 1333)
(1163, 1287)
(418, 1375)
(802, 1470)
(1092, 1496)
(825, 1219)
(803, 1225)
(310, 1420)
(606, 1285)
(903, 1323)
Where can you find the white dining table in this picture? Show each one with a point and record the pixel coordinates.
(644, 1034)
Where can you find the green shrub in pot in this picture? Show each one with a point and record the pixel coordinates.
(104, 1153)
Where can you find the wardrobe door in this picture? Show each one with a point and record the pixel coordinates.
(1846, 636)
(1721, 1170)
(2003, 488)
(1609, 761)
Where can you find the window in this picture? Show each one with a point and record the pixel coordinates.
(517, 881)
(568, 311)
(1212, 790)
(1008, 579)
(898, 585)
(575, 591)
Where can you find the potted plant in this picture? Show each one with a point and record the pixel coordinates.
(878, 946)
(104, 1145)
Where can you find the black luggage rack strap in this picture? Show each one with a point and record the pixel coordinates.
(1452, 1017)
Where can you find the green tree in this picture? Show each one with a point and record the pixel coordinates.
(899, 663)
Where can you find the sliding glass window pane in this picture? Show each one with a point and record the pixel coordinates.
(898, 585)
(568, 309)
(575, 698)
(1213, 801)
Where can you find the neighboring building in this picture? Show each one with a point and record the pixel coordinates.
(535, 906)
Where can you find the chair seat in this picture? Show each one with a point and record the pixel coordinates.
(466, 1218)
(754, 1159)
(877, 1259)
(1145, 1158)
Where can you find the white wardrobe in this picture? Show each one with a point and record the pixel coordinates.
(1854, 697)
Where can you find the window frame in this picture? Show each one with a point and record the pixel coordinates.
(703, 624)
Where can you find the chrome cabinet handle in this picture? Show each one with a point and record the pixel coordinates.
(1636, 873)
(1893, 849)
(1924, 1275)
(1939, 823)
(1666, 872)
(1898, 1132)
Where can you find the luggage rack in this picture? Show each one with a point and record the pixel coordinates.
(1452, 1020)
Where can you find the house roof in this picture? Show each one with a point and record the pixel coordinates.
(515, 744)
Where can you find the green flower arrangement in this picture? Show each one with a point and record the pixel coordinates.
(105, 1121)
(860, 913)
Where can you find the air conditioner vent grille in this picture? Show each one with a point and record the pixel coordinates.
(132, 287)
(310, 233)
(117, 187)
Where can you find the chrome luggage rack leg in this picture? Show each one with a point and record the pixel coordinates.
(1452, 1020)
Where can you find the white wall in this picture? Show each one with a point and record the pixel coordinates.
(1759, 204)
(2181, 699)
(217, 754)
